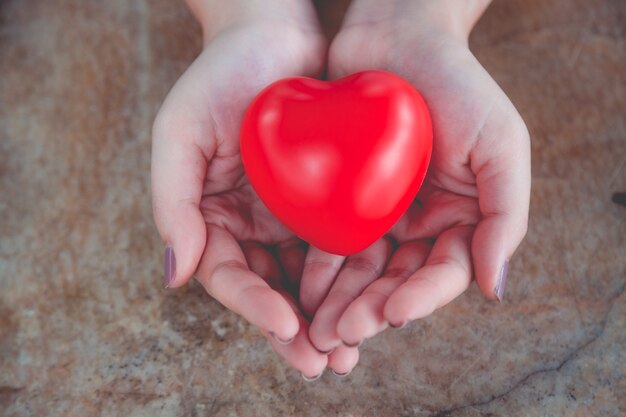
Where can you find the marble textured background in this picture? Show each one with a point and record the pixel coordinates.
(86, 328)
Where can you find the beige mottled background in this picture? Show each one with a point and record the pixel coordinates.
(86, 328)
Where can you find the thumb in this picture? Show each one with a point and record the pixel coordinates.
(180, 151)
(501, 163)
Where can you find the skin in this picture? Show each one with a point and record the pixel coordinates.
(470, 215)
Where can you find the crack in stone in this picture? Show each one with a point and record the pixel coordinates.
(569, 357)
(10, 390)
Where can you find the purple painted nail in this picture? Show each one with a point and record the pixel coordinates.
(281, 341)
(169, 266)
(357, 344)
(501, 284)
(313, 378)
(326, 352)
(340, 374)
(399, 326)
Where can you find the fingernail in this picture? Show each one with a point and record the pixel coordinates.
(169, 266)
(281, 341)
(398, 326)
(501, 284)
(352, 345)
(341, 375)
(311, 379)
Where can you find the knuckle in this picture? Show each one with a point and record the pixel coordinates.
(362, 264)
(342, 296)
(397, 272)
(317, 266)
(231, 265)
(452, 261)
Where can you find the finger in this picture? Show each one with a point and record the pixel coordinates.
(181, 149)
(502, 171)
(357, 273)
(364, 317)
(318, 274)
(291, 255)
(343, 359)
(300, 353)
(261, 262)
(225, 275)
(446, 274)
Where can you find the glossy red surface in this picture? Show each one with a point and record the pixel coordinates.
(337, 162)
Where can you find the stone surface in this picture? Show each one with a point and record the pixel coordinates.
(86, 328)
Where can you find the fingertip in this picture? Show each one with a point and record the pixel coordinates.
(316, 365)
(363, 318)
(292, 327)
(322, 335)
(186, 243)
(300, 353)
(343, 360)
(280, 320)
(493, 244)
(409, 302)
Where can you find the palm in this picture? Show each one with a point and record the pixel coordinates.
(227, 197)
(229, 200)
(462, 103)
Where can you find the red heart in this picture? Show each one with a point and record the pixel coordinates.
(337, 162)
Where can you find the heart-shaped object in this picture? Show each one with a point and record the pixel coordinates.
(337, 162)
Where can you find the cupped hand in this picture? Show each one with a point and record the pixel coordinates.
(472, 210)
(204, 207)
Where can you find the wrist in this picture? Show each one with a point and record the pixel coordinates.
(216, 16)
(456, 17)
